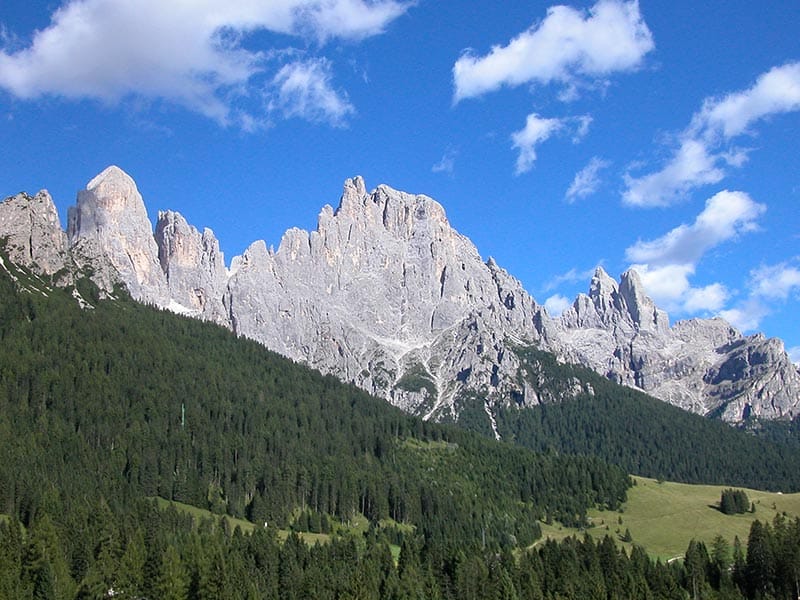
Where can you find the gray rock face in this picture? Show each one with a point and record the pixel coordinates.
(108, 230)
(387, 295)
(702, 365)
(34, 238)
(193, 266)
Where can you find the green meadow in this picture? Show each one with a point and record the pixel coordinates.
(664, 517)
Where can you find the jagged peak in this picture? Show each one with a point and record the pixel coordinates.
(353, 194)
(355, 199)
(112, 192)
(632, 290)
(255, 253)
(111, 175)
(171, 216)
(42, 198)
(602, 284)
(644, 312)
(632, 278)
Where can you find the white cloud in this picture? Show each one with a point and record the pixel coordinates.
(776, 91)
(536, 131)
(667, 263)
(768, 285)
(670, 287)
(556, 304)
(726, 215)
(668, 284)
(587, 180)
(186, 53)
(584, 121)
(447, 163)
(691, 166)
(710, 298)
(303, 89)
(775, 282)
(566, 45)
(704, 150)
(747, 316)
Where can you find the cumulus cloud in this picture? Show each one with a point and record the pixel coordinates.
(556, 304)
(587, 180)
(710, 298)
(536, 130)
(189, 54)
(303, 89)
(776, 91)
(769, 285)
(582, 129)
(726, 215)
(667, 263)
(568, 44)
(776, 282)
(691, 166)
(704, 149)
(747, 316)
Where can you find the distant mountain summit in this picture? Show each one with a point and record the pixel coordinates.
(387, 295)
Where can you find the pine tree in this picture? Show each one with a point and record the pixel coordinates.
(696, 563)
(760, 560)
(173, 579)
(720, 561)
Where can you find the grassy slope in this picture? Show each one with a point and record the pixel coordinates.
(664, 517)
(357, 526)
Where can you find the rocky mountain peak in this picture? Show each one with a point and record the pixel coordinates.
(604, 294)
(33, 233)
(641, 308)
(193, 265)
(108, 227)
(400, 214)
(353, 196)
(117, 190)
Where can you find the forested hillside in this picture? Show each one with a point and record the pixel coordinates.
(648, 437)
(104, 408)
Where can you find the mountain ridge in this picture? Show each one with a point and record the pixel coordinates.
(387, 295)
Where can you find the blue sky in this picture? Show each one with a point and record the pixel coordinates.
(557, 137)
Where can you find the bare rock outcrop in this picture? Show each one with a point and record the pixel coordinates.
(33, 234)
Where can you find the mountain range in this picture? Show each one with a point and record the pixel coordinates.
(387, 295)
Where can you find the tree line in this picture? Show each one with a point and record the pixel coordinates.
(148, 552)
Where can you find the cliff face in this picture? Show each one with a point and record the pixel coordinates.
(33, 235)
(386, 294)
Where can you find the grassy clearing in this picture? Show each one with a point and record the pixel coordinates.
(246, 526)
(664, 517)
(199, 514)
(358, 526)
